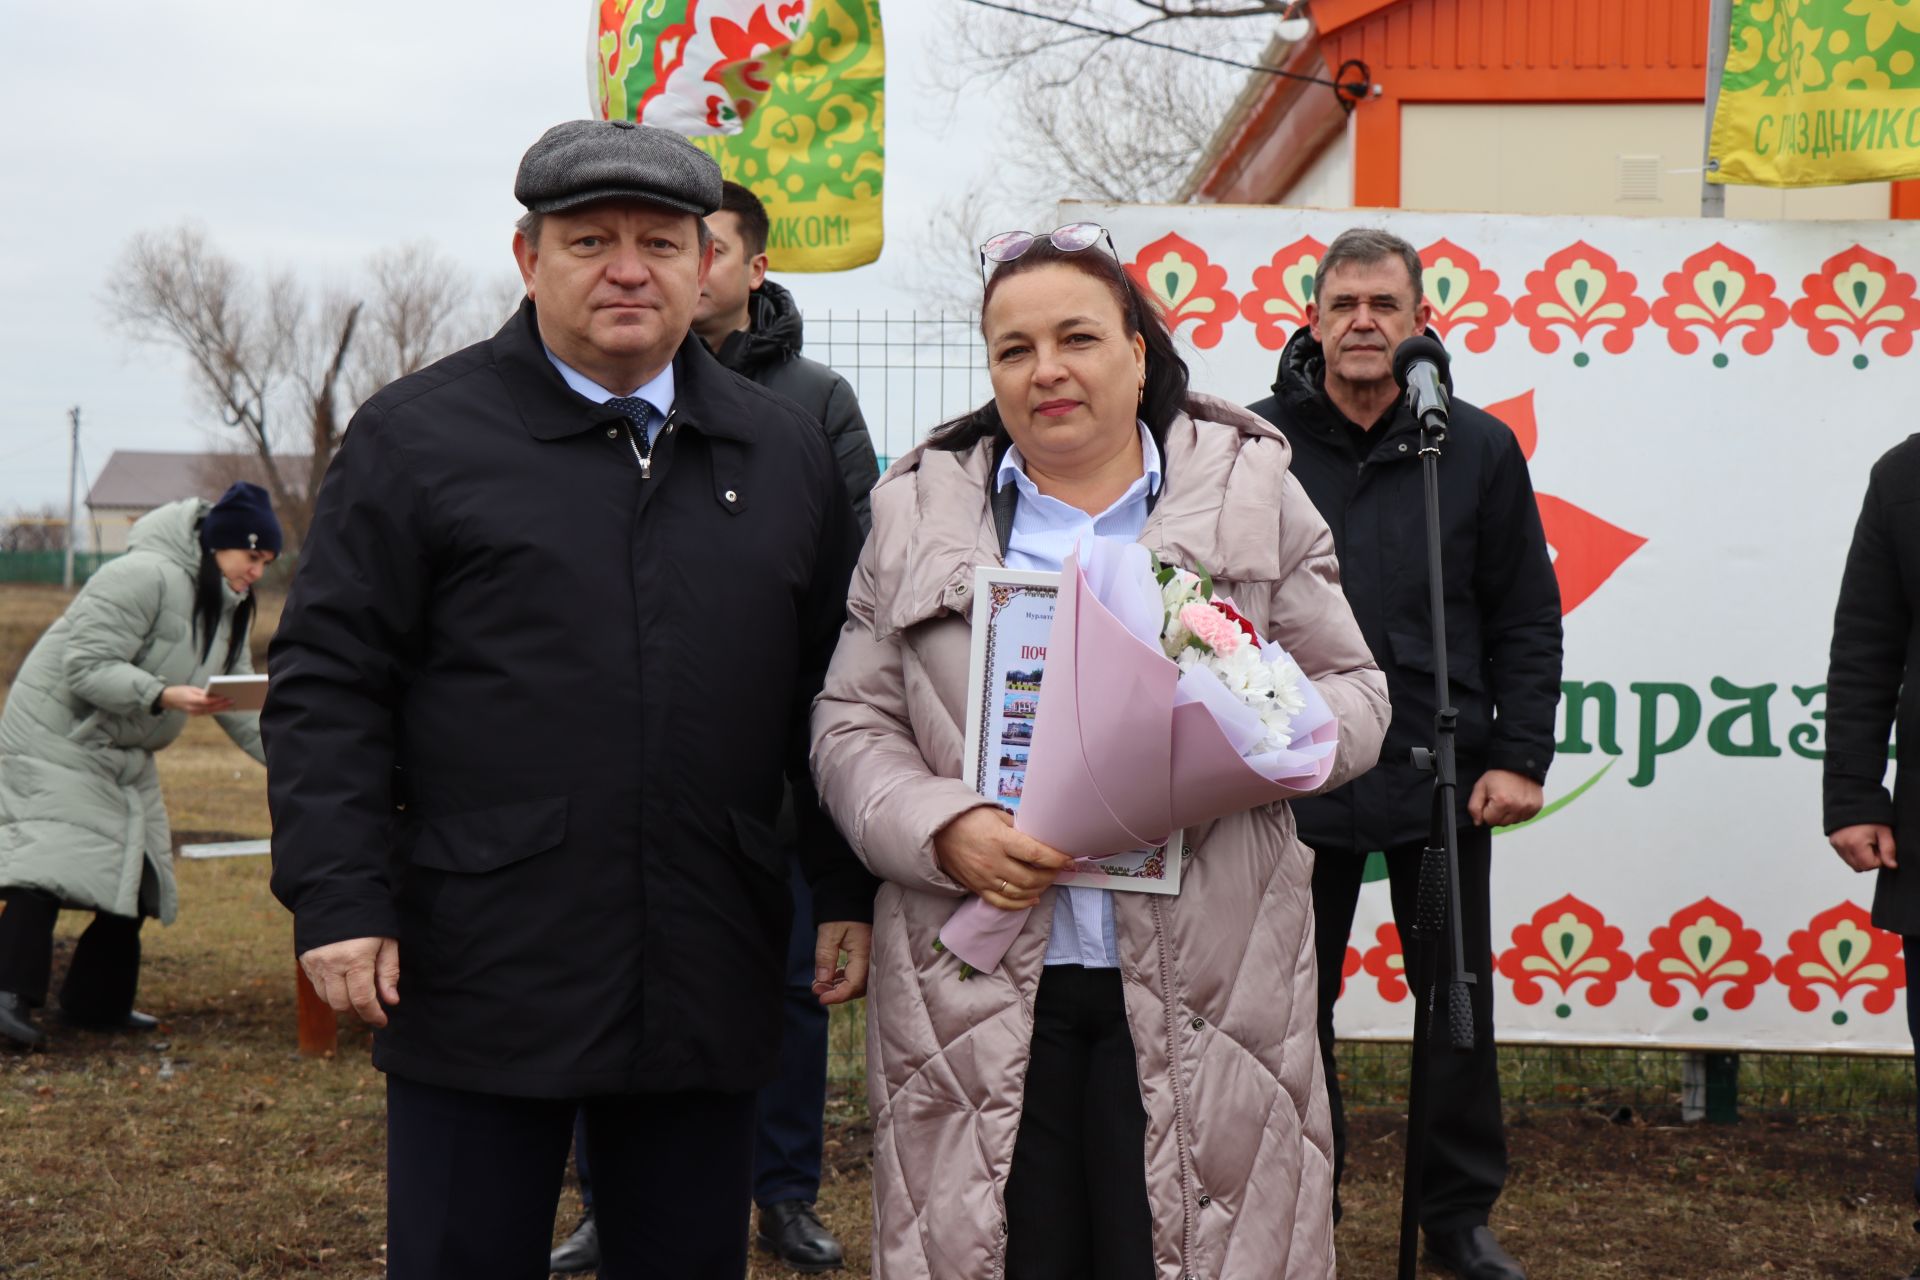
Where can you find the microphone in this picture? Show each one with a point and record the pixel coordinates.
(1420, 367)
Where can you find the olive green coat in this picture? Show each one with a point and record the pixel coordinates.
(81, 814)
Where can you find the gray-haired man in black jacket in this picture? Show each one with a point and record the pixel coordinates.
(1356, 452)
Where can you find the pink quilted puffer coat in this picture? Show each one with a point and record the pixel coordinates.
(1219, 980)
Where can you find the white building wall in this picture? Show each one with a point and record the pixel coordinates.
(1633, 159)
(108, 527)
(1328, 181)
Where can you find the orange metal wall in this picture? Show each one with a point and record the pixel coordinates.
(1506, 51)
(1622, 39)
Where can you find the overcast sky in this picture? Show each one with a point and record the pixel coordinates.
(307, 137)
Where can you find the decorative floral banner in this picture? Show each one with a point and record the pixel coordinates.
(1689, 398)
(1818, 92)
(693, 66)
(788, 96)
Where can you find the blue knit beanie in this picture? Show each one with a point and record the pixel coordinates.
(242, 520)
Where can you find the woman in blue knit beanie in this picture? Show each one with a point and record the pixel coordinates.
(82, 821)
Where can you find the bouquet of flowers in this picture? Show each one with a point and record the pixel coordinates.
(1226, 665)
(1163, 709)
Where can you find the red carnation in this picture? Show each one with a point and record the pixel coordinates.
(1234, 615)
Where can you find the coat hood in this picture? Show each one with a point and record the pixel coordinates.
(773, 334)
(1303, 369)
(172, 531)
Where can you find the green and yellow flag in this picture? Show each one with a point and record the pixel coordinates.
(788, 97)
(1819, 92)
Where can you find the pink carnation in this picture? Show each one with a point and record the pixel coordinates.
(1214, 628)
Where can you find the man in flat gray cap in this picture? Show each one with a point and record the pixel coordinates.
(567, 597)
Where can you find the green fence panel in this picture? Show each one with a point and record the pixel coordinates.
(50, 566)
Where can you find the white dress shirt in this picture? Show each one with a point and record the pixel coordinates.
(1045, 530)
(658, 392)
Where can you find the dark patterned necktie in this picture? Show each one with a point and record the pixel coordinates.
(638, 412)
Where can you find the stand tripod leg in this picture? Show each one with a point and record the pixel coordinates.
(1423, 980)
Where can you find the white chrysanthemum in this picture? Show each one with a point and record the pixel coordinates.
(1286, 700)
(1271, 687)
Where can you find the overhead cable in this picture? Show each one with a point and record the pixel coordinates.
(1349, 90)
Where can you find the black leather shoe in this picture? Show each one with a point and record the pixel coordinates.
(133, 1020)
(1472, 1253)
(578, 1252)
(792, 1232)
(16, 1022)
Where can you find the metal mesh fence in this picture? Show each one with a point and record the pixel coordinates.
(912, 371)
(49, 566)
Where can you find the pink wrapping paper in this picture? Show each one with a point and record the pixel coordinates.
(1125, 751)
(1100, 770)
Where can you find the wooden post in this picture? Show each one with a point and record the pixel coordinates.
(318, 1028)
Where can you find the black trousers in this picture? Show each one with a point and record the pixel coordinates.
(1077, 1194)
(101, 978)
(1466, 1161)
(473, 1180)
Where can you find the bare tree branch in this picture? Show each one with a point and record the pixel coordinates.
(946, 250)
(1114, 120)
(280, 362)
(1221, 8)
(1096, 116)
(33, 529)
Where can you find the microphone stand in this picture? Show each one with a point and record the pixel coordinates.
(1438, 907)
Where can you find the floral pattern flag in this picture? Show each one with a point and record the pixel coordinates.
(1819, 92)
(788, 95)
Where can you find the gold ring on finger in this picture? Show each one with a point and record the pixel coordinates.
(1005, 889)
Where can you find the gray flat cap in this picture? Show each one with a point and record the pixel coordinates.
(586, 160)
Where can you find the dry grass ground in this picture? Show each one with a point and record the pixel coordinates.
(212, 1150)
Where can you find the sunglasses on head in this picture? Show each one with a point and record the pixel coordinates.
(1071, 238)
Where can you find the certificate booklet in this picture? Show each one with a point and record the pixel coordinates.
(1012, 618)
(248, 693)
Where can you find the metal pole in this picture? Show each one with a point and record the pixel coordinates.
(1713, 196)
(73, 475)
(1719, 1073)
(1437, 932)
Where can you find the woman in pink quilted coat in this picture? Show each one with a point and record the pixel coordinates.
(1136, 1091)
